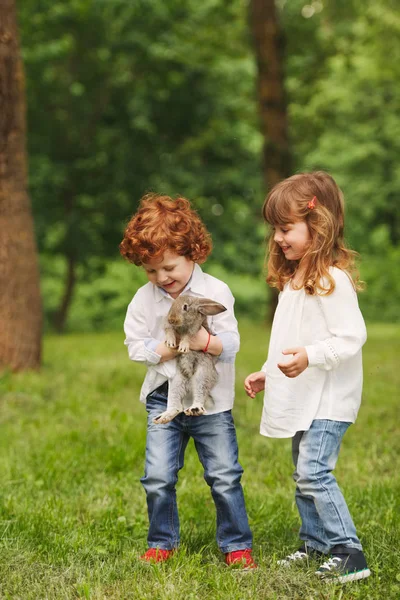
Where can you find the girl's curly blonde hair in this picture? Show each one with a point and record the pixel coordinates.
(162, 223)
(291, 201)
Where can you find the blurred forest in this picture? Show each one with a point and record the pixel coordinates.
(125, 97)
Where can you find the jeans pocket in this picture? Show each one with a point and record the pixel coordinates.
(155, 403)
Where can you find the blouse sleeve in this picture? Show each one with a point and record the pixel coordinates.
(344, 322)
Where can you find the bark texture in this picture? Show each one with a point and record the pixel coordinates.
(269, 49)
(20, 302)
(268, 41)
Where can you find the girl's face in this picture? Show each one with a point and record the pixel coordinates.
(293, 238)
(171, 273)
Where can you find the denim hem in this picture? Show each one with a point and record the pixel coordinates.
(162, 547)
(356, 546)
(234, 547)
(316, 546)
(327, 550)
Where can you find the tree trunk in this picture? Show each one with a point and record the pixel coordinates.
(269, 45)
(20, 303)
(268, 40)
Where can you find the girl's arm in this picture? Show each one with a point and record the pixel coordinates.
(345, 323)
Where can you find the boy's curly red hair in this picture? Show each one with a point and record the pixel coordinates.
(162, 223)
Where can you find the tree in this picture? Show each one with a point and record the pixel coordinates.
(344, 113)
(268, 39)
(20, 303)
(123, 100)
(269, 45)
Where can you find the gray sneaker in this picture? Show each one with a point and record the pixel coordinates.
(345, 564)
(303, 554)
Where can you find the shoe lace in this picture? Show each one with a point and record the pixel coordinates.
(296, 555)
(331, 563)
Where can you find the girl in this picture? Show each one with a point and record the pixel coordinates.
(313, 374)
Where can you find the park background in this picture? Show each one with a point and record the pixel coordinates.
(128, 97)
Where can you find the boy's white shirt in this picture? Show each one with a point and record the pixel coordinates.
(144, 330)
(332, 330)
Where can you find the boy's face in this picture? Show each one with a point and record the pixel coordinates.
(171, 273)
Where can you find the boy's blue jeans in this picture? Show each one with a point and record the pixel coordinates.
(215, 440)
(325, 518)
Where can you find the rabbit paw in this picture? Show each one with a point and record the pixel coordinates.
(166, 416)
(170, 343)
(195, 410)
(183, 347)
(170, 340)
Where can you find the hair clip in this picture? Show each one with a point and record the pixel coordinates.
(312, 203)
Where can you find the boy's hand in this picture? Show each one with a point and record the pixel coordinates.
(165, 352)
(297, 365)
(199, 341)
(254, 383)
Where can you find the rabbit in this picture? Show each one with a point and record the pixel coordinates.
(195, 369)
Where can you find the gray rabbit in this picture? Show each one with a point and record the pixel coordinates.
(195, 369)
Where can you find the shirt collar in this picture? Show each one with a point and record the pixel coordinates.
(195, 285)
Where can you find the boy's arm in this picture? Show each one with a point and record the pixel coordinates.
(141, 346)
(225, 326)
(345, 323)
(200, 341)
(165, 352)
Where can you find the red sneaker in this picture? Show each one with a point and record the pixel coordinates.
(242, 558)
(156, 555)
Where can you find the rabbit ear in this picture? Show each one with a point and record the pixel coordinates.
(210, 307)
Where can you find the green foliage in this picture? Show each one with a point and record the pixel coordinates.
(73, 516)
(123, 99)
(100, 303)
(344, 106)
(250, 292)
(381, 299)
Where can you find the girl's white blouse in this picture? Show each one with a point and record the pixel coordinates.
(332, 330)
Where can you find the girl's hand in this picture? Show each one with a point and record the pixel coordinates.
(254, 383)
(297, 365)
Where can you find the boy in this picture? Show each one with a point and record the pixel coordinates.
(167, 238)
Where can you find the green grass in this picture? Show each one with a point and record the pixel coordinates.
(73, 513)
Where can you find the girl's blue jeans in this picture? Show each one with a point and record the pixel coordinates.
(325, 518)
(215, 441)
